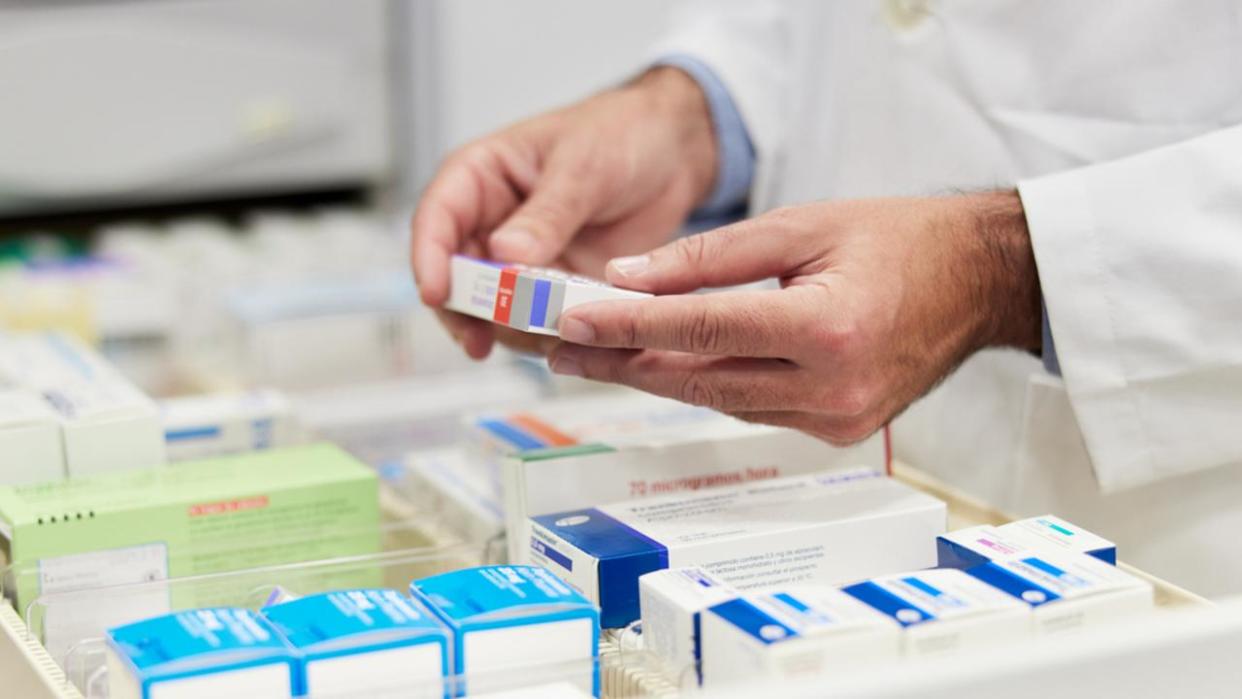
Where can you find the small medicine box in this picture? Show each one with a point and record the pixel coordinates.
(504, 618)
(362, 641)
(671, 602)
(800, 631)
(200, 654)
(943, 611)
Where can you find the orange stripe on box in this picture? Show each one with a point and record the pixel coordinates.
(542, 430)
(504, 296)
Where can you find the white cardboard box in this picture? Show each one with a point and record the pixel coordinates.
(30, 439)
(621, 445)
(798, 632)
(829, 527)
(460, 490)
(671, 602)
(966, 548)
(944, 611)
(522, 297)
(217, 424)
(107, 424)
(1067, 590)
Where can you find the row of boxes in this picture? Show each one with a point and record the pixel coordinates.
(703, 628)
(454, 633)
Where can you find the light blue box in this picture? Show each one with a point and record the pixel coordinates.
(199, 654)
(505, 618)
(365, 640)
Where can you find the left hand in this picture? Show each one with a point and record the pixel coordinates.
(880, 300)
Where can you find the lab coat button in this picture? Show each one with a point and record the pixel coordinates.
(905, 15)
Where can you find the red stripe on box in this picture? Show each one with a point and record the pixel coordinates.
(504, 296)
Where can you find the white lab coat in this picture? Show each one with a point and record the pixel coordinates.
(1118, 123)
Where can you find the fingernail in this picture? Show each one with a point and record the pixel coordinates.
(630, 266)
(512, 242)
(564, 366)
(576, 331)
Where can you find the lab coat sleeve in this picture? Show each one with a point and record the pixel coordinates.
(1140, 260)
(745, 42)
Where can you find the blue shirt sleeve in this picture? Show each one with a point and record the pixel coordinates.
(1049, 348)
(735, 152)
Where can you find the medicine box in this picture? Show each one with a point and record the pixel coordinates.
(621, 445)
(30, 439)
(504, 618)
(364, 641)
(1067, 590)
(795, 632)
(200, 654)
(106, 423)
(242, 511)
(671, 602)
(943, 611)
(1050, 532)
(217, 424)
(552, 690)
(830, 527)
(522, 297)
(458, 489)
(966, 548)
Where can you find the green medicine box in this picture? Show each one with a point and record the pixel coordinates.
(231, 513)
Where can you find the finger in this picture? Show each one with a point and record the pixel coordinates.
(735, 323)
(475, 336)
(530, 343)
(720, 383)
(744, 252)
(838, 431)
(471, 193)
(562, 202)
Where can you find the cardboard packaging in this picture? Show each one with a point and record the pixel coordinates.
(106, 423)
(197, 427)
(1066, 591)
(200, 654)
(671, 602)
(966, 548)
(460, 491)
(363, 641)
(229, 513)
(829, 527)
(621, 445)
(944, 611)
(508, 617)
(797, 632)
(526, 298)
(29, 439)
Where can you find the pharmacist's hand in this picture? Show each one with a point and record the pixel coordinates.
(879, 300)
(614, 175)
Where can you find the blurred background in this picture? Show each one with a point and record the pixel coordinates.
(217, 193)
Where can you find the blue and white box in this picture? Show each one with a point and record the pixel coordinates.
(797, 632)
(1049, 532)
(363, 641)
(200, 654)
(507, 619)
(671, 602)
(216, 424)
(1067, 590)
(944, 610)
(966, 548)
(828, 527)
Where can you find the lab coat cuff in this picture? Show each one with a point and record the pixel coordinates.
(1080, 311)
(735, 153)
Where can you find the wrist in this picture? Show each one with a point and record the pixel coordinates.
(1009, 280)
(676, 99)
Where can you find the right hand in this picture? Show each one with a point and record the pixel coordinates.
(613, 175)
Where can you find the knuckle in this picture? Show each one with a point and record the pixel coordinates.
(696, 390)
(701, 332)
(851, 431)
(850, 399)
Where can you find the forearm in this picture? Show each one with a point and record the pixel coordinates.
(676, 101)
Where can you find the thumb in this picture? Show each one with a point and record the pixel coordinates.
(740, 253)
(543, 225)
